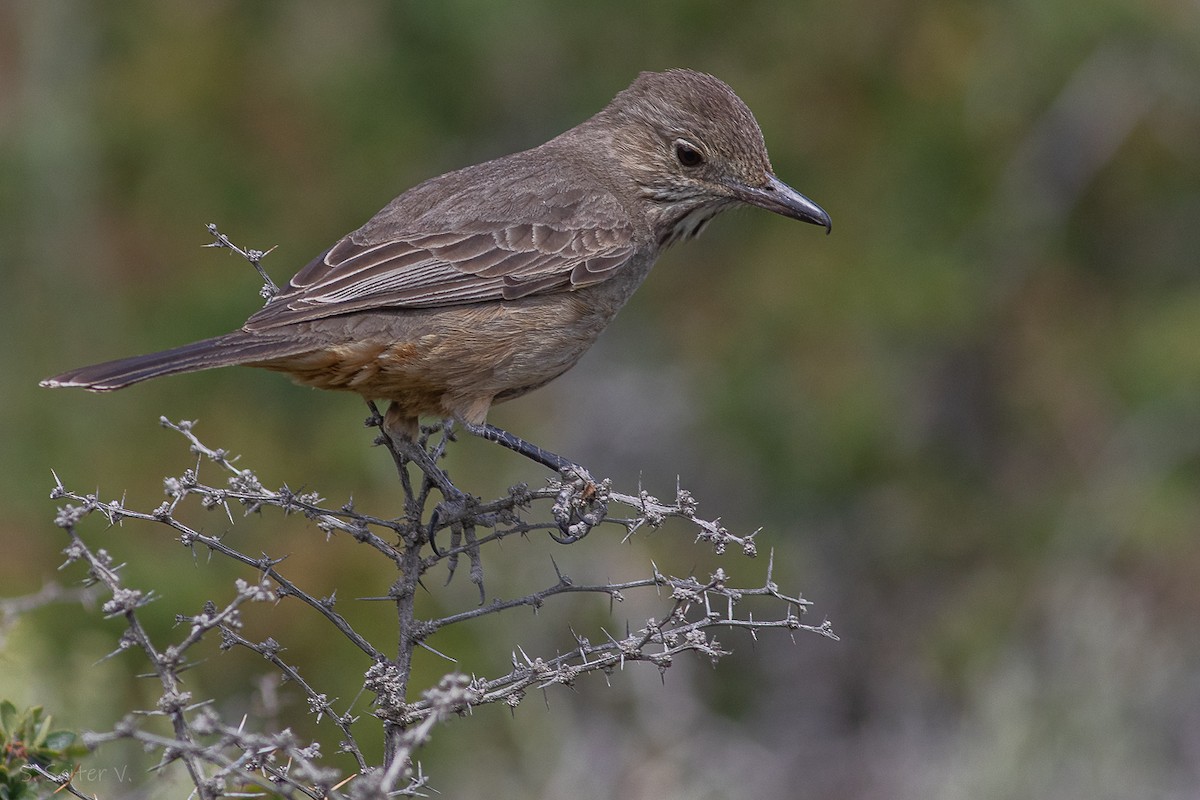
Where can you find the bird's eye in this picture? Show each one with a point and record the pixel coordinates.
(688, 154)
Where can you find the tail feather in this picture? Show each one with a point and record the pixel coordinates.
(231, 349)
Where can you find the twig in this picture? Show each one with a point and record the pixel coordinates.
(201, 740)
(255, 257)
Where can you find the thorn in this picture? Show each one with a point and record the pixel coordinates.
(344, 782)
(451, 659)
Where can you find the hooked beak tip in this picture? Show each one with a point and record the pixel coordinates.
(782, 199)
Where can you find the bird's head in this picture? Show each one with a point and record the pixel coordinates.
(694, 149)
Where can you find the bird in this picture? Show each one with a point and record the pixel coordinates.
(485, 283)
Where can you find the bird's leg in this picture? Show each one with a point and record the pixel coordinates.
(405, 448)
(410, 450)
(580, 505)
(527, 449)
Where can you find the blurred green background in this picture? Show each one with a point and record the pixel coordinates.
(968, 421)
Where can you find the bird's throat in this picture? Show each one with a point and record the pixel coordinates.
(687, 223)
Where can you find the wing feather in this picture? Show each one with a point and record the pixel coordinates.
(475, 262)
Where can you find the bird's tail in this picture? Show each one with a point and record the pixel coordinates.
(231, 349)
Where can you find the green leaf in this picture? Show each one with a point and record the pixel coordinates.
(39, 739)
(60, 741)
(8, 719)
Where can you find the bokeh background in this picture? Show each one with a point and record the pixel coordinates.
(968, 421)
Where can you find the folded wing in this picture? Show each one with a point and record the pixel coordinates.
(479, 261)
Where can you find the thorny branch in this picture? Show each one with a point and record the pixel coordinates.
(223, 759)
(255, 257)
(217, 759)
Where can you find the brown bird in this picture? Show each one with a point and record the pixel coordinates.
(485, 283)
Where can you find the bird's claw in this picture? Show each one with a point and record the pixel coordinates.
(457, 513)
(581, 505)
(451, 512)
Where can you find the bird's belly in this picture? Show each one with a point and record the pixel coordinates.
(453, 361)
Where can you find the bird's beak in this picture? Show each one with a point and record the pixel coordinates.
(782, 199)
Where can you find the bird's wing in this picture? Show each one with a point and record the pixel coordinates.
(476, 261)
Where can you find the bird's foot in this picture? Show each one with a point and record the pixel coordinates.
(404, 449)
(458, 514)
(581, 505)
